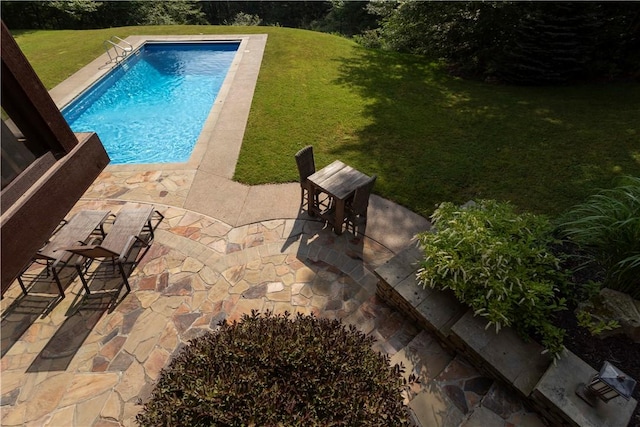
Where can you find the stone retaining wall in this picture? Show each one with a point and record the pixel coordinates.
(548, 387)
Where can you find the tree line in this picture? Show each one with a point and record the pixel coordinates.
(513, 42)
(517, 42)
(88, 14)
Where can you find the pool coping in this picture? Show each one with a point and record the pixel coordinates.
(218, 146)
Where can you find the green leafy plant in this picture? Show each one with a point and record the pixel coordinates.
(268, 370)
(594, 325)
(607, 229)
(245, 19)
(499, 263)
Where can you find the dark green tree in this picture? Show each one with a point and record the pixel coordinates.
(518, 42)
(617, 41)
(551, 43)
(295, 14)
(44, 14)
(83, 14)
(168, 13)
(467, 35)
(347, 17)
(77, 13)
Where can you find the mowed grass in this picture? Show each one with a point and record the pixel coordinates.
(428, 136)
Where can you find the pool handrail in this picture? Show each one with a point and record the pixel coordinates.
(120, 51)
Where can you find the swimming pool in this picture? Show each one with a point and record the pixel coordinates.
(151, 108)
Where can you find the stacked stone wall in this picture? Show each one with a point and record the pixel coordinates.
(547, 387)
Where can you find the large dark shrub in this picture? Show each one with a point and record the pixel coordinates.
(269, 370)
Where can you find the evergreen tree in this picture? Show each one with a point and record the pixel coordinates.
(516, 42)
(551, 44)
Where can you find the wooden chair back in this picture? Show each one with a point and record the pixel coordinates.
(360, 201)
(306, 163)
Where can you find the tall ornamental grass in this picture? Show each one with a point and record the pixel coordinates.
(606, 227)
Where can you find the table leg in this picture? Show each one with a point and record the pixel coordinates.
(337, 227)
(312, 198)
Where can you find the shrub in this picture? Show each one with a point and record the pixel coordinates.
(499, 263)
(607, 228)
(269, 370)
(245, 19)
(369, 39)
(593, 324)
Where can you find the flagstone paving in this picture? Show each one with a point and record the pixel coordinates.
(167, 187)
(91, 361)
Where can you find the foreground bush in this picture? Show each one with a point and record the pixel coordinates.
(269, 370)
(499, 263)
(607, 229)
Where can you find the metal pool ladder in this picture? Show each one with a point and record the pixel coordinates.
(117, 49)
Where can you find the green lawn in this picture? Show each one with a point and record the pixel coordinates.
(429, 137)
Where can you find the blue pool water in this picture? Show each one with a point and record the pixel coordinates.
(152, 107)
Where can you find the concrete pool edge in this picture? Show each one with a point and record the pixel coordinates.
(218, 145)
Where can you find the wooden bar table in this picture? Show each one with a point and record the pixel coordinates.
(339, 181)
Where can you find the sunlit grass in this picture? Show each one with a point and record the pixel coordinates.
(429, 137)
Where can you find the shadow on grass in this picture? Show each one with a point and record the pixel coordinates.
(432, 137)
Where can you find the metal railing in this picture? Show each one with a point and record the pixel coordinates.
(117, 49)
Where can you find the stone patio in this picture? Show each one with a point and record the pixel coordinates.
(92, 360)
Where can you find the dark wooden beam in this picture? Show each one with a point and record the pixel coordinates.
(27, 102)
(21, 184)
(28, 223)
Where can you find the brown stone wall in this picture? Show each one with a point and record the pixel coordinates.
(519, 365)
